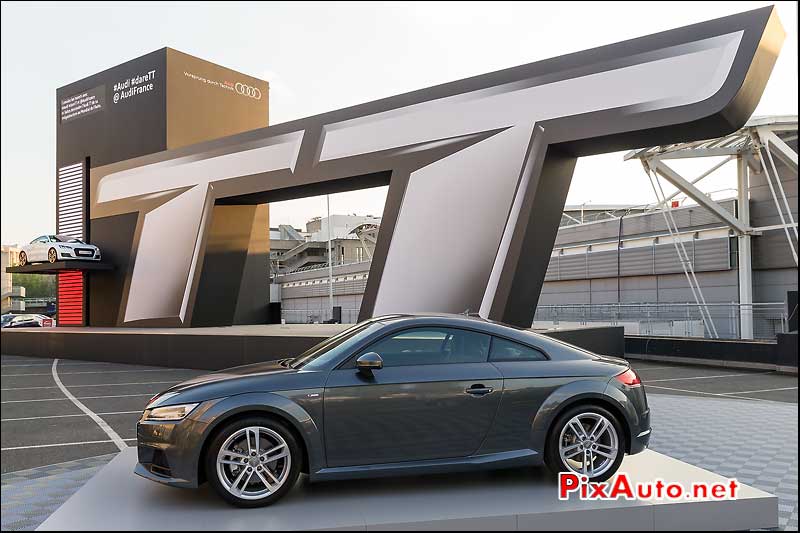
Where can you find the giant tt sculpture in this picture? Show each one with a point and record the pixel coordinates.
(486, 161)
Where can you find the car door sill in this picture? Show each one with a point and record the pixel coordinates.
(515, 458)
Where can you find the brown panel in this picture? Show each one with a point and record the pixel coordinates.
(226, 252)
(251, 307)
(206, 101)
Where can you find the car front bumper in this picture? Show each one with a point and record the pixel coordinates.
(169, 452)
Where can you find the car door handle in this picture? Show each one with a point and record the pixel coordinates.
(479, 390)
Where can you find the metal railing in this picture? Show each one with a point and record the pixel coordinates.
(669, 319)
(316, 316)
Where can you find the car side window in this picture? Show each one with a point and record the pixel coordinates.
(432, 346)
(506, 350)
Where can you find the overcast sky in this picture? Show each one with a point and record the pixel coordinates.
(321, 57)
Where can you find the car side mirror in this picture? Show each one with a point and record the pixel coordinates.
(368, 362)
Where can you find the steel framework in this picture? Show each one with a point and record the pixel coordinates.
(754, 148)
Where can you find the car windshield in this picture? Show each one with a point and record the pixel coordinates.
(318, 356)
(7, 319)
(67, 238)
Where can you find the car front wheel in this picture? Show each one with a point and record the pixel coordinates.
(52, 256)
(23, 259)
(253, 462)
(587, 440)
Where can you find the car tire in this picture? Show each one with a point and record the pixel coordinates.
(253, 493)
(23, 259)
(562, 441)
(52, 255)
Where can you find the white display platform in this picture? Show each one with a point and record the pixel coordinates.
(524, 499)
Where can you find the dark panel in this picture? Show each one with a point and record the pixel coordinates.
(605, 340)
(787, 346)
(204, 352)
(125, 124)
(528, 255)
(716, 350)
(114, 236)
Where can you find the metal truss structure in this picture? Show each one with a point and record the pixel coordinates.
(754, 148)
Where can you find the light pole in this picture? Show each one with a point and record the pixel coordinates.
(330, 257)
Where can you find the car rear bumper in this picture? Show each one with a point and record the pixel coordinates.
(640, 442)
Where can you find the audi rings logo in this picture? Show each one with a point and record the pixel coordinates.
(247, 90)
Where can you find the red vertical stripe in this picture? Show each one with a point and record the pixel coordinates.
(70, 298)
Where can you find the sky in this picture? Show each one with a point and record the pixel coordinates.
(320, 57)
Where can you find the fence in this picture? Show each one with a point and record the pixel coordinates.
(669, 319)
(314, 316)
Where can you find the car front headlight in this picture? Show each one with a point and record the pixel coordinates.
(169, 412)
(65, 247)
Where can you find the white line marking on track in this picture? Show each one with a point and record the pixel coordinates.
(103, 372)
(79, 398)
(93, 385)
(707, 377)
(762, 390)
(65, 444)
(645, 368)
(113, 435)
(68, 416)
(715, 394)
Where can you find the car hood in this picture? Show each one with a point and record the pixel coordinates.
(260, 377)
(76, 245)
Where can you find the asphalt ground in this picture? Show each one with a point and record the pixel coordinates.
(41, 425)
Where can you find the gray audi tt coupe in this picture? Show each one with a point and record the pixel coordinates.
(396, 395)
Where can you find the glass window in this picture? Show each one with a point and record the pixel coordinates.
(319, 356)
(505, 350)
(432, 346)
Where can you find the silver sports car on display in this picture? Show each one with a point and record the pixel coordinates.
(400, 394)
(52, 248)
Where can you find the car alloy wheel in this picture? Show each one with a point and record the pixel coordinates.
(52, 256)
(253, 462)
(587, 440)
(23, 259)
(588, 444)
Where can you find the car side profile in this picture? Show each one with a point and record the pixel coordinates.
(27, 321)
(52, 248)
(395, 395)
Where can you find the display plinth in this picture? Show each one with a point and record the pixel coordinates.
(116, 499)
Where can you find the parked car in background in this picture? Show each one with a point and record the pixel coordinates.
(27, 321)
(52, 248)
(400, 394)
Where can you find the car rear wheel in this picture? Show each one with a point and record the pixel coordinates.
(52, 256)
(587, 440)
(23, 259)
(253, 462)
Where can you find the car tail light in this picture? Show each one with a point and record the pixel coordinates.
(629, 378)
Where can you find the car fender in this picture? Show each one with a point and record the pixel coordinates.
(562, 398)
(268, 403)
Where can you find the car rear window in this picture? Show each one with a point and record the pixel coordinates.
(506, 350)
